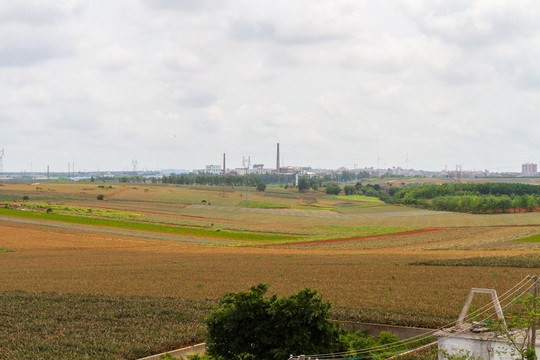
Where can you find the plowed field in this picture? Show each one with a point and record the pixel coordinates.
(368, 278)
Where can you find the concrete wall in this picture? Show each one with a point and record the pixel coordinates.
(482, 347)
(402, 332)
(180, 353)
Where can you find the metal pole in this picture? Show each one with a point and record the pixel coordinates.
(535, 296)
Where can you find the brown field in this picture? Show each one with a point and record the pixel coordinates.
(369, 277)
(378, 280)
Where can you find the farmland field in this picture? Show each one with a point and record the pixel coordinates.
(188, 246)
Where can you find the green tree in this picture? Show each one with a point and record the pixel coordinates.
(303, 184)
(261, 186)
(250, 325)
(349, 189)
(333, 189)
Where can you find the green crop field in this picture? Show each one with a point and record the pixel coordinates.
(76, 290)
(357, 198)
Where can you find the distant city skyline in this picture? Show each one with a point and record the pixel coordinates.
(175, 84)
(528, 168)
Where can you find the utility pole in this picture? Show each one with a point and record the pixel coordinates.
(535, 309)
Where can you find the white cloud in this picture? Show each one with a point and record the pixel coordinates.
(473, 23)
(332, 81)
(114, 58)
(37, 12)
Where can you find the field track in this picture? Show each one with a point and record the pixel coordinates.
(140, 234)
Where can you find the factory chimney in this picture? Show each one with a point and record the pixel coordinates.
(278, 171)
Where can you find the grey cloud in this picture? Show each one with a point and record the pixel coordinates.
(29, 53)
(244, 30)
(249, 31)
(5, 119)
(184, 5)
(21, 45)
(473, 24)
(529, 80)
(197, 99)
(116, 58)
(36, 13)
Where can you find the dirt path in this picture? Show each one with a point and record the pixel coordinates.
(140, 234)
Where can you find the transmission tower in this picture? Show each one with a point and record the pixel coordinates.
(1, 163)
(246, 162)
(134, 164)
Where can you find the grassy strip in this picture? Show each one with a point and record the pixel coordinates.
(217, 233)
(6, 250)
(79, 210)
(67, 326)
(261, 205)
(518, 261)
(312, 207)
(345, 207)
(336, 232)
(357, 198)
(534, 238)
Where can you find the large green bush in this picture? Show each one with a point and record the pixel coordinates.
(333, 189)
(249, 325)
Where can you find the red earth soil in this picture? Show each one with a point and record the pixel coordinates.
(411, 232)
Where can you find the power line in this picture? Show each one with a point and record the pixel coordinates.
(423, 336)
(344, 355)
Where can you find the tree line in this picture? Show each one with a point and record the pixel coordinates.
(254, 179)
(470, 197)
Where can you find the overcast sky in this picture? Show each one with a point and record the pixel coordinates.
(177, 83)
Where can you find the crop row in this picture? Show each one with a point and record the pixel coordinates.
(76, 326)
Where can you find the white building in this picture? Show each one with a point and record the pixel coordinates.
(484, 345)
(214, 169)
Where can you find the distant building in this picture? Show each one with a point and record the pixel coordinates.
(214, 169)
(291, 170)
(259, 169)
(239, 171)
(528, 169)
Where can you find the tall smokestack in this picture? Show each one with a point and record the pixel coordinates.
(278, 171)
(224, 168)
